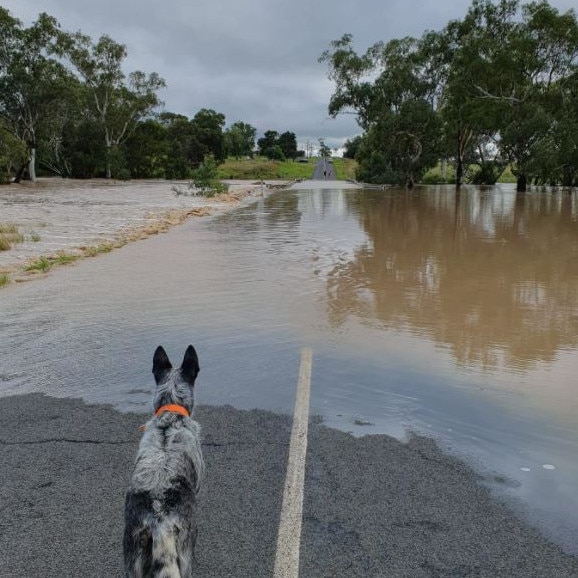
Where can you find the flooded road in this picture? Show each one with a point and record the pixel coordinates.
(454, 316)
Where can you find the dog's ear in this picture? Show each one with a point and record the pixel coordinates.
(190, 367)
(161, 364)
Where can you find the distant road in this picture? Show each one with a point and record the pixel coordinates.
(324, 170)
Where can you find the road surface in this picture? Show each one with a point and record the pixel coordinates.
(324, 170)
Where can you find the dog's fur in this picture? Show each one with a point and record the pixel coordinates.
(160, 509)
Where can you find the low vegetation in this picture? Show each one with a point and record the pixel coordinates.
(260, 168)
(9, 235)
(438, 175)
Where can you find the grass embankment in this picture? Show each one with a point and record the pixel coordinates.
(434, 176)
(261, 168)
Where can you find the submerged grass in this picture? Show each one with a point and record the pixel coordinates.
(44, 264)
(157, 223)
(9, 235)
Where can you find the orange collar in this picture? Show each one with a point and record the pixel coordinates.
(174, 408)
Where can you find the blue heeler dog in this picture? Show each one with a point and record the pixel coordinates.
(160, 511)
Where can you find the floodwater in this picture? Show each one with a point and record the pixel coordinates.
(451, 315)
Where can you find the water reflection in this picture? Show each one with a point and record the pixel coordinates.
(493, 276)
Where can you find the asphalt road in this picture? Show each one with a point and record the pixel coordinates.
(324, 170)
(373, 507)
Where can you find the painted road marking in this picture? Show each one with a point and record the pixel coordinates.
(289, 537)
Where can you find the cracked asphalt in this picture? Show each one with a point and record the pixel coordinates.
(374, 507)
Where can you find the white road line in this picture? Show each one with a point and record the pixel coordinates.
(289, 537)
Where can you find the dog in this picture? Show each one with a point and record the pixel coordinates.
(160, 508)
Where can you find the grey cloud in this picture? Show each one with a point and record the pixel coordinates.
(254, 60)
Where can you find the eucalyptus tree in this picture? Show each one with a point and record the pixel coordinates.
(288, 144)
(117, 101)
(33, 84)
(13, 153)
(146, 151)
(511, 61)
(267, 142)
(566, 130)
(240, 139)
(183, 145)
(551, 39)
(208, 125)
(393, 91)
(324, 150)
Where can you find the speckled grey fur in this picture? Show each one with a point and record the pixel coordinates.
(160, 510)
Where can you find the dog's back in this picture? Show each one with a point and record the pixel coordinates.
(160, 510)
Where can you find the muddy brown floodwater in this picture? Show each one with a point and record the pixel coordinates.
(84, 217)
(453, 315)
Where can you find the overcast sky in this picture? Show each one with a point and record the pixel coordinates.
(252, 60)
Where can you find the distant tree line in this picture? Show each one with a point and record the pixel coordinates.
(279, 147)
(68, 108)
(497, 88)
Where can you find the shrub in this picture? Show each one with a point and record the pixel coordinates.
(205, 182)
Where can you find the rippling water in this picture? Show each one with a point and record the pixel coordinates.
(450, 315)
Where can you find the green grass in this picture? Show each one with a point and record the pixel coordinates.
(507, 176)
(261, 168)
(344, 168)
(98, 249)
(34, 237)
(44, 264)
(4, 279)
(434, 175)
(64, 258)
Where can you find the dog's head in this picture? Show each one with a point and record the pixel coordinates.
(175, 386)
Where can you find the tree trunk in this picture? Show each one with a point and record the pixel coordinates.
(20, 173)
(459, 171)
(521, 183)
(108, 154)
(32, 164)
(567, 176)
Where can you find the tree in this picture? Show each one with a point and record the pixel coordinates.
(118, 102)
(352, 146)
(208, 127)
(324, 150)
(287, 141)
(393, 93)
(184, 149)
(240, 139)
(512, 59)
(565, 132)
(32, 84)
(267, 142)
(83, 150)
(493, 88)
(13, 154)
(147, 150)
